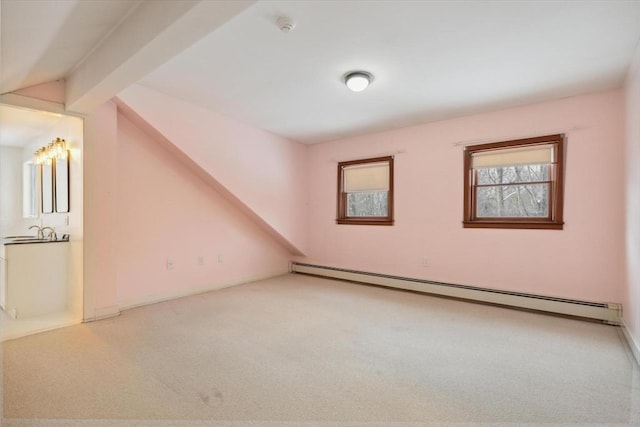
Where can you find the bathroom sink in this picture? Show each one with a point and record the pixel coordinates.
(13, 240)
(24, 239)
(33, 239)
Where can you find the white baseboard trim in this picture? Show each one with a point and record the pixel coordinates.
(633, 345)
(6, 336)
(168, 296)
(156, 298)
(103, 313)
(609, 313)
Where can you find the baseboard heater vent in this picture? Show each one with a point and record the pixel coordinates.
(606, 312)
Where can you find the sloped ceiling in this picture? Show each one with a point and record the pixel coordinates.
(44, 40)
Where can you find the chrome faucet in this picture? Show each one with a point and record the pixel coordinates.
(52, 233)
(40, 231)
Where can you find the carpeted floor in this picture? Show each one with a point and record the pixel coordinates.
(299, 350)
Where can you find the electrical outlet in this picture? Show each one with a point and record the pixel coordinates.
(220, 258)
(169, 264)
(200, 260)
(425, 262)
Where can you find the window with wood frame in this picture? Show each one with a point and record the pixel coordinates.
(365, 191)
(515, 184)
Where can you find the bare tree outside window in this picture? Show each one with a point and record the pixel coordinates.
(373, 203)
(515, 184)
(513, 191)
(365, 192)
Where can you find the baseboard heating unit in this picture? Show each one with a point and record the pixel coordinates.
(609, 313)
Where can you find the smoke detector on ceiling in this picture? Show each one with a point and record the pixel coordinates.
(285, 24)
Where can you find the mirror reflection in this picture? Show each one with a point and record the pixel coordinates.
(62, 185)
(46, 183)
(53, 160)
(29, 190)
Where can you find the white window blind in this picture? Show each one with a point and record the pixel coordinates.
(369, 177)
(537, 154)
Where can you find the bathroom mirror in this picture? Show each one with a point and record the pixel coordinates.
(29, 190)
(46, 182)
(62, 185)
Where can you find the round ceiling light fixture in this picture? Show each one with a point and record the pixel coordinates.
(358, 81)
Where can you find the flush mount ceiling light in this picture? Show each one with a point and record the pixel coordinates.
(358, 81)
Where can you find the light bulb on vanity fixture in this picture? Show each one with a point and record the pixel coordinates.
(57, 149)
(357, 81)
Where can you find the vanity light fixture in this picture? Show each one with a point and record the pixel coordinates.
(57, 149)
(358, 81)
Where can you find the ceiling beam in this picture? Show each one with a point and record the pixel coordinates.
(149, 36)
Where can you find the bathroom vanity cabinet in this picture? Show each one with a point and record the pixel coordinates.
(34, 278)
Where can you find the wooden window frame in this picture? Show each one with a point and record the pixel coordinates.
(342, 217)
(553, 221)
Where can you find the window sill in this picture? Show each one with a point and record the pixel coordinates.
(364, 221)
(544, 225)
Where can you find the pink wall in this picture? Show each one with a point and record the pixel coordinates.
(267, 173)
(100, 208)
(128, 237)
(582, 261)
(145, 204)
(632, 155)
(51, 91)
(165, 210)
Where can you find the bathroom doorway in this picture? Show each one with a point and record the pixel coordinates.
(27, 206)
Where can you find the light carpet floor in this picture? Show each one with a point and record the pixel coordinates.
(303, 351)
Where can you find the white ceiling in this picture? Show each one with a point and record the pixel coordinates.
(431, 59)
(44, 40)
